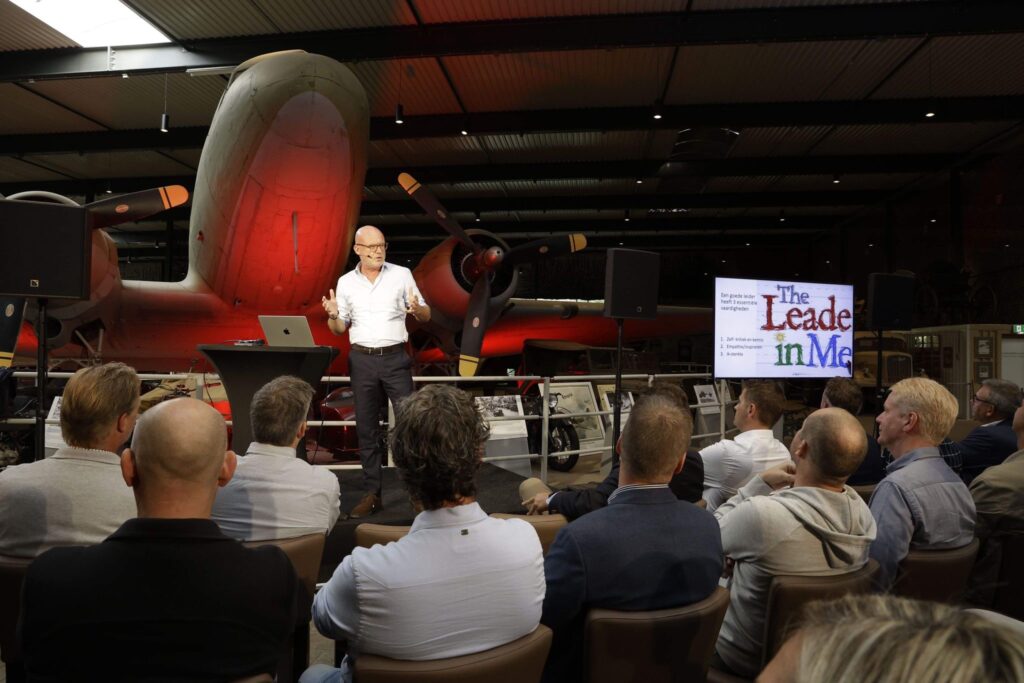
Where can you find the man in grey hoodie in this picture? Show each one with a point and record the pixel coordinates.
(816, 527)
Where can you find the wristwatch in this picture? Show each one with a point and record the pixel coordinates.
(332, 316)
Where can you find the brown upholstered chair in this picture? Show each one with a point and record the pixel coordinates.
(12, 573)
(939, 575)
(521, 661)
(787, 596)
(864, 491)
(369, 535)
(546, 526)
(305, 552)
(660, 645)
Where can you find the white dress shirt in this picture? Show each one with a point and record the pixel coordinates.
(76, 496)
(730, 463)
(460, 582)
(275, 495)
(375, 311)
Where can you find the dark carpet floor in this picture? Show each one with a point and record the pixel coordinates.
(497, 491)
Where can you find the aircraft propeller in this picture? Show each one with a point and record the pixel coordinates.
(480, 268)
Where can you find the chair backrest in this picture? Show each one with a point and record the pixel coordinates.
(864, 491)
(12, 573)
(939, 575)
(660, 645)
(788, 595)
(369, 535)
(1009, 598)
(546, 526)
(305, 552)
(521, 661)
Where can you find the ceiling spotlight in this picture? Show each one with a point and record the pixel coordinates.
(165, 122)
(748, 244)
(399, 114)
(124, 75)
(871, 244)
(659, 110)
(621, 243)
(827, 262)
(476, 215)
(626, 219)
(932, 219)
(782, 216)
(639, 181)
(835, 179)
(929, 114)
(464, 131)
(109, 190)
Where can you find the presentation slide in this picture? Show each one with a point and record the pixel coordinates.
(774, 328)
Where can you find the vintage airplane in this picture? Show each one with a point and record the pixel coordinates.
(274, 210)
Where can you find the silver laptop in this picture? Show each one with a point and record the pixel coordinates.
(286, 330)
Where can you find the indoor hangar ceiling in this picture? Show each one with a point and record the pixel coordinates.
(676, 125)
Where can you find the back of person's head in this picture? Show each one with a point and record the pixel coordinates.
(767, 397)
(843, 392)
(836, 444)
(279, 410)
(656, 437)
(672, 392)
(179, 443)
(1004, 396)
(885, 639)
(94, 399)
(437, 443)
(935, 407)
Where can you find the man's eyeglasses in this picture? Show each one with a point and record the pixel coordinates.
(383, 246)
(976, 399)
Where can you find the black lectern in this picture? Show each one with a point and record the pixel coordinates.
(244, 369)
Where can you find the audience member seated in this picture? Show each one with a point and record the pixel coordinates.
(998, 495)
(688, 485)
(77, 495)
(645, 550)
(167, 596)
(273, 493)
(921, 503)
(885, 639)
(459, 582)
(842, 392)
(817, 527)
(992, 405)
(730, 463)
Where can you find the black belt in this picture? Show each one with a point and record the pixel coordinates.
(378, 350)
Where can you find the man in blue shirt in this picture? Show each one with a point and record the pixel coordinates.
(921, 502)
(993, 406)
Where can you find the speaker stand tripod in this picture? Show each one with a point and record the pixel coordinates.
(41, 379)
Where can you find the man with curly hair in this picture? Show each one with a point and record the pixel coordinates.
(460, 582)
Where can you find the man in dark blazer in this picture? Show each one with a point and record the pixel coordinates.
(993, 406)
(645, 550)
(687, 485)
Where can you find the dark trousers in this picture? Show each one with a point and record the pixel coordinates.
(375, 379)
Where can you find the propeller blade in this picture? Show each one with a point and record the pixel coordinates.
(132, 207)
(474, 326)
(429, 203)
(12, 310)
(546, 248)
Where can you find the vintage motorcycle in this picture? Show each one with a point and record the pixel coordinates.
(562, 435)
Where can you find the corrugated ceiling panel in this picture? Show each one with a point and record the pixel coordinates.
(380, 154)
(316, 15)
(552, 80)
(860, 181)
(920, 138)
(962, 66)
(116, 164)
(763, 142)
(700, 5)
(19, 30)
(452, 11)
(435, 151)
(793, 72)
(418, 84)
(572, 186)
(189, 157)
(25, 112)
(185, 19)
(137, 102)
(15, 171)
(583, 146)
(742, 184)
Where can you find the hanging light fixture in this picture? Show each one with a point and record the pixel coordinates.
(399, 114)
(165, 119)
(659, 110)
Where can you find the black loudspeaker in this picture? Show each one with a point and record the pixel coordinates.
(631, 284)
(890, 301)
(47, 249)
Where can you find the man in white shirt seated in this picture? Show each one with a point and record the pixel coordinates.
(274, 494)
(76, 496)
(730, 463)
(460, 582)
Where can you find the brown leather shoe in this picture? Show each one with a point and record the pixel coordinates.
(369, 505)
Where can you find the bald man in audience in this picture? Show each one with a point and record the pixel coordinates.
(842, 392)
(167, 596)
(818, 526)
(76, 496)
(921, 503)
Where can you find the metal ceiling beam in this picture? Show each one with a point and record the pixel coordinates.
(783, 24)
(754, 114)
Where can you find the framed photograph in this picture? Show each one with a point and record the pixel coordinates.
(983, 370)
(983, 347)
(578, 397)
(607, 393)
(707, 398)
(503, 406)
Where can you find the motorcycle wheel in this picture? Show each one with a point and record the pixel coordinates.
(562, 437)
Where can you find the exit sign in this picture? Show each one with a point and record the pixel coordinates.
(1018, 329)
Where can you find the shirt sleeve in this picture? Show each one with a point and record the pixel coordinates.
(411, 284)
(895, 529)
(719, 461)
(566, 581)
(344, 303)
(335, 607)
